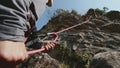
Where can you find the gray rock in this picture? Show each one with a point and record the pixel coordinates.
(40, 60)
(106, 60)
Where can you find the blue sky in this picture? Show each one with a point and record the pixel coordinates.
(81, 6)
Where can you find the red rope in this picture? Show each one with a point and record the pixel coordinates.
(71, 27)
(56, 37)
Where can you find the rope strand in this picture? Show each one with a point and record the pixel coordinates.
(56, 37)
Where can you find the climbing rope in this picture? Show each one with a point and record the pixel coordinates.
(55, 36)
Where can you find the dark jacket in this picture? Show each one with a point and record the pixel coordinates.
(18, 16)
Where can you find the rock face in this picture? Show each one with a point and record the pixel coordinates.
(99, 36)
(40, 60)
(106, 60)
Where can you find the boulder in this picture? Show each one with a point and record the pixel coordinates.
(106, 60)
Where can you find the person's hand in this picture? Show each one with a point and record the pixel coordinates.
(48, 45)
(12, 53)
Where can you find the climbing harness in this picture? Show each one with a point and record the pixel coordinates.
(55, 36)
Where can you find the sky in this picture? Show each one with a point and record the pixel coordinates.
(81, 6)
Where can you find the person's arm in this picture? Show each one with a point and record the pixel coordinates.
(12, 26)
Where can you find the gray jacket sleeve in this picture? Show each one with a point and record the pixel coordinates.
(13, 18)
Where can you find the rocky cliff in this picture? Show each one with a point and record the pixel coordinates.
(77, 46)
